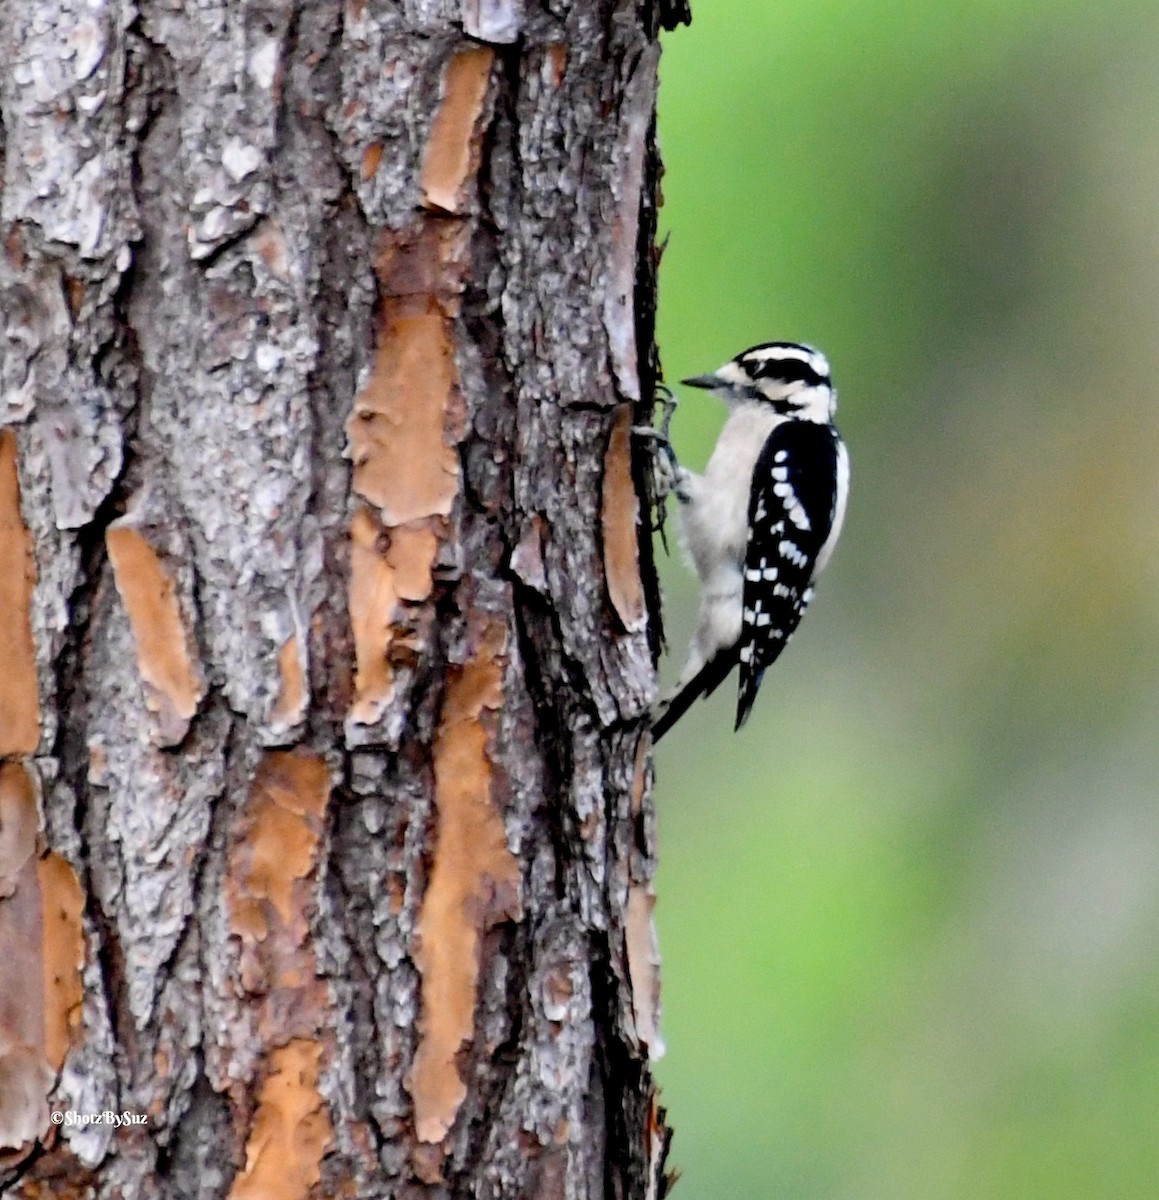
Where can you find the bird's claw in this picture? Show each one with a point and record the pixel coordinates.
(667, 473)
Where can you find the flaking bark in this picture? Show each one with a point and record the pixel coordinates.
(328, 619)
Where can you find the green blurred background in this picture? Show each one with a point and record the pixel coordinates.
(910, 915)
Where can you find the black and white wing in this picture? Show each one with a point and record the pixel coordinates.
(793, 517)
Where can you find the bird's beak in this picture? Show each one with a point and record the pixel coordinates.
(703, 381)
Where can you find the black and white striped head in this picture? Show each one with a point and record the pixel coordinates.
(793, 378)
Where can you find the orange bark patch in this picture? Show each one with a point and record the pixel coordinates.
(403, 435)
(474, 884)
(640, 776)
(398, 434)
(22, 980)
(25, 1078)
(636, 115)
(620, 516)
(19, 822)
(19, 694)
(25, 1082)
(291, 1129)
(290, 705)
(386, 570)
(556, 62)
(429, 260)
(644, 967)
(270, 894)
(170, 674)
(452, 154)
(62, 902)
(371, 157)
(279, 846)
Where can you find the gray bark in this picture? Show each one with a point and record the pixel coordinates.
(327, 611)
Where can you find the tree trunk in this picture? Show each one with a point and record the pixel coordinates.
(326, 623)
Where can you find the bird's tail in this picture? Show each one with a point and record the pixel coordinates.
(750, 683)
(703, 683)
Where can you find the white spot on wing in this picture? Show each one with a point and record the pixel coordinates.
(839, 501)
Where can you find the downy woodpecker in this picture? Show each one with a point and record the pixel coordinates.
(761, 522)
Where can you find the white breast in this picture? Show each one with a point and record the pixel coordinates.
(716, 523)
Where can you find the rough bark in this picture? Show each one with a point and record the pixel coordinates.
(326, 625)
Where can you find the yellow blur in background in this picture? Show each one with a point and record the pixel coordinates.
(910, 914)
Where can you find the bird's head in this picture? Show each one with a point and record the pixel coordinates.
(792, 378)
